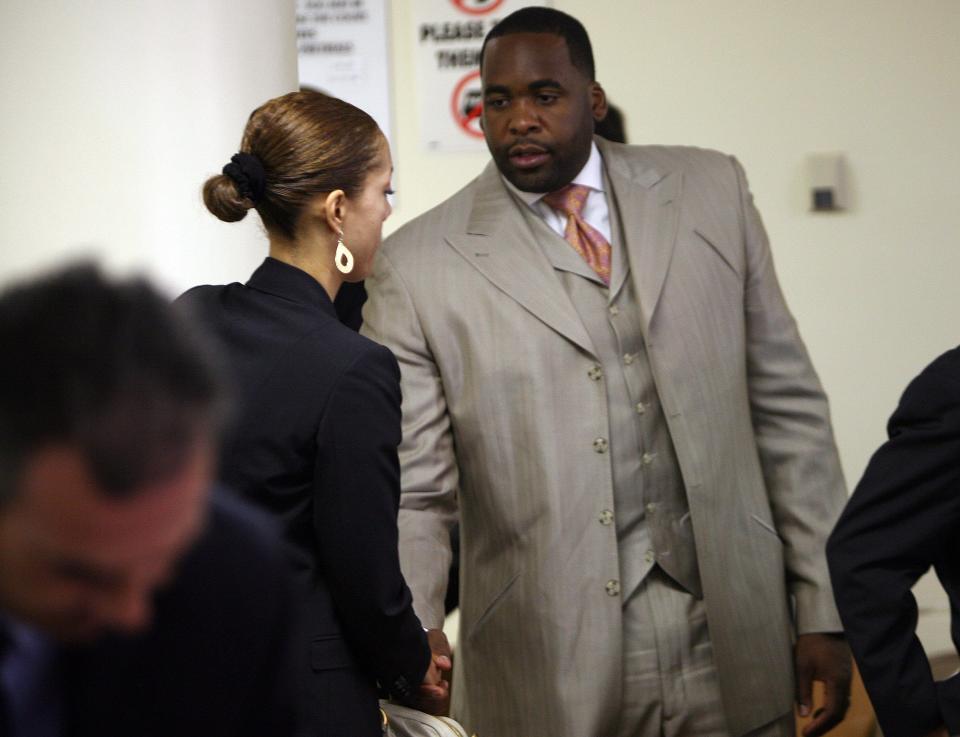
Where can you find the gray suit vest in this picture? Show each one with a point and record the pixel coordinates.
(652, 516)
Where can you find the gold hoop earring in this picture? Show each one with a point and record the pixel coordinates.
(343, 257)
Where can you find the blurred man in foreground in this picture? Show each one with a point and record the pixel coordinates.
(131, 601)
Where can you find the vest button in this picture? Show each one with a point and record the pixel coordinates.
(606, 517)
(613, 587)
(595, 373)
(600, 445)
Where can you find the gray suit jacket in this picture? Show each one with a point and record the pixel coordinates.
(500, 416)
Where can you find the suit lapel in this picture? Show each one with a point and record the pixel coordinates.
(498, 242)
(648, 202)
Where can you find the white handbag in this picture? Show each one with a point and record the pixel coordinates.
(402, 721)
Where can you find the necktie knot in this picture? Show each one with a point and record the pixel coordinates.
(585, 239)
(569, 200)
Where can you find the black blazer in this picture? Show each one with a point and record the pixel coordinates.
(904, 517)
(218, 658)
(315, 443)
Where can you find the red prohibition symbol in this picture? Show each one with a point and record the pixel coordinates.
(477, 7)
(467, 104)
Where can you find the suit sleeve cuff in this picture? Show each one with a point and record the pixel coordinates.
(815, 611)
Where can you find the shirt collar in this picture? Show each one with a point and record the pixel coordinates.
(591, 175)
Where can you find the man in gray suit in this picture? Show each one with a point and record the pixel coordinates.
(601, 377)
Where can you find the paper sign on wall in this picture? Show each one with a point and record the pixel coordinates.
(343, 50)
(449, 35)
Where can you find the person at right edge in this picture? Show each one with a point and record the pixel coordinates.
(903, 518)
(604, 383)
(315, 442)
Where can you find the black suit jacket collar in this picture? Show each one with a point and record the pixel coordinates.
(288, 282)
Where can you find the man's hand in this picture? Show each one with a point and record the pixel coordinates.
(433, 696)
(823, 657)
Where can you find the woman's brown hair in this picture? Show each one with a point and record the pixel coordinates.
(308, 144)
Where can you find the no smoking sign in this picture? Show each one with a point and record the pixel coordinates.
(466, 105)
(477, 7)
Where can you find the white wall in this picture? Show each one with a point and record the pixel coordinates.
(115, 112)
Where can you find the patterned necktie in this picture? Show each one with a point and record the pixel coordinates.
(585, 239)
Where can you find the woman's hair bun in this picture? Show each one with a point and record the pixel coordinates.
(223, 199)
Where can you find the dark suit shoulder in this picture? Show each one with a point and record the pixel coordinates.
(199, 300)
(369, 361)
(933, 395)
(267, 333)
(939, 381)
(202, 291)
(344, 350)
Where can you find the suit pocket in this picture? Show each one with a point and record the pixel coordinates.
(727, 260)
(329, 653)
(494, 604)
(768, 526)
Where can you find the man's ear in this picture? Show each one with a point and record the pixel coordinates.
(598, 101)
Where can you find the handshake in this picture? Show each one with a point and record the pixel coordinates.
(433, 696)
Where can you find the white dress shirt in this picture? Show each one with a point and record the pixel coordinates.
(596, 211)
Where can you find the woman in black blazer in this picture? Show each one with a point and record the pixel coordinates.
(318, 425)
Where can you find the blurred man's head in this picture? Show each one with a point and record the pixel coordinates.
(109, 408)
(540, 98)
